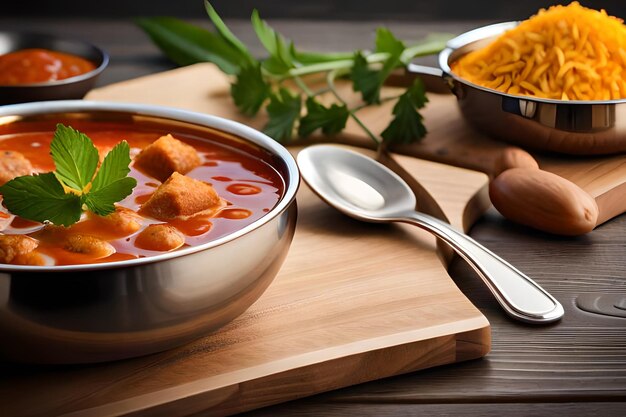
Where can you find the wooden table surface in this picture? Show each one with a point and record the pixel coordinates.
(576, 367)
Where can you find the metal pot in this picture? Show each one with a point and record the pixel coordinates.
(102, 312)
(572, 127)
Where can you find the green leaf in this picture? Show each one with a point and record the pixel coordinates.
(250, 90)
(386, 42)
(283, 111)
(365, 80)
(112, 183)
(74, 156)
(186, 44)
(227, 35)
(331, 119)
(368, 81)
(407, 126)
(41, 198)
(101, 201)
(281, 59)
(113, 168)
(417, 93)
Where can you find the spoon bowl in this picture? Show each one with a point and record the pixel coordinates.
(349, 182)
(367, 190)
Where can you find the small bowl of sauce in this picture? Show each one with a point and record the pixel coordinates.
(37, 67)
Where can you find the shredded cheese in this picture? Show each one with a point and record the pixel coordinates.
(563, 53)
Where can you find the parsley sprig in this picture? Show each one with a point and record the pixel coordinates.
(61, 196)
(280, 84)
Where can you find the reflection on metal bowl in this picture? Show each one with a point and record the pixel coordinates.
(109, 311)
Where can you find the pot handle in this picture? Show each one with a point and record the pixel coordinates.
(432, 77)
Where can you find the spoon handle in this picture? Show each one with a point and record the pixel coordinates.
(521, 297)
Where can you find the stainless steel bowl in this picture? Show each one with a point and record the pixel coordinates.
(102, 312)
(573, 127)
(69, 88)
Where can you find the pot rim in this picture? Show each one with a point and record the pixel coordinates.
(228, 126)
(492, 31)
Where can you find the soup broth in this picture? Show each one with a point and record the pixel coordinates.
(241, 175)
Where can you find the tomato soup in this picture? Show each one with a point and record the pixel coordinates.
(30, 66)
(241, 175)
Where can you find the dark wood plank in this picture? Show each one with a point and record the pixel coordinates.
(575, 367)
(310, 407)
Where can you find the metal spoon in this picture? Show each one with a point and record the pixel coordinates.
(367, 190)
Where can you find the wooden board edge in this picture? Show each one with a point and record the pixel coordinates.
(310, 379)
(610, 205)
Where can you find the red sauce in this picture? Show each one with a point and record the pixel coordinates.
(20, 223)
(243, 189)
(29, 66)
(234, 214)
(247, 182)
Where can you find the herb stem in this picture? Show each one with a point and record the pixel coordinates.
(427, 48)
(335, 65)
(330, 79)
(303, 86)
(382, 100)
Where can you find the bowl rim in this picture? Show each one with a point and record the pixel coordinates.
(240, 130)
(492, 31)
(104, 57)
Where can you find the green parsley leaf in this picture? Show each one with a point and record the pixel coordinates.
(365, 80)
(368, 81)
(250, 90)
(112, 183)
(41, 198)
(44, 198)
(227, 35)
(186, 44)
(417, 93)
(75, 157)
(331, 119)
(101, 201)
(388, 43)
(284, 111)
(256, 82)
(281, 59)
(407, 126)
(114, 167)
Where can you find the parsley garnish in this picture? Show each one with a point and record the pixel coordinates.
(331, 119)
(407, 122)
(60, 197)
(284, 111)
(262, 82)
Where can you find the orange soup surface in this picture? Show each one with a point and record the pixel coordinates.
(29, 66)
(247, 184)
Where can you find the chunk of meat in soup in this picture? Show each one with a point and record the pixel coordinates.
(181, 196)
(166, 156)
(160, 237)
(13, 164)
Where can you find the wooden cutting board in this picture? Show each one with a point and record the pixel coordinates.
(353, 302)
(204, 88)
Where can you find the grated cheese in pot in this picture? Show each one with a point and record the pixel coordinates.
(564, 53)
